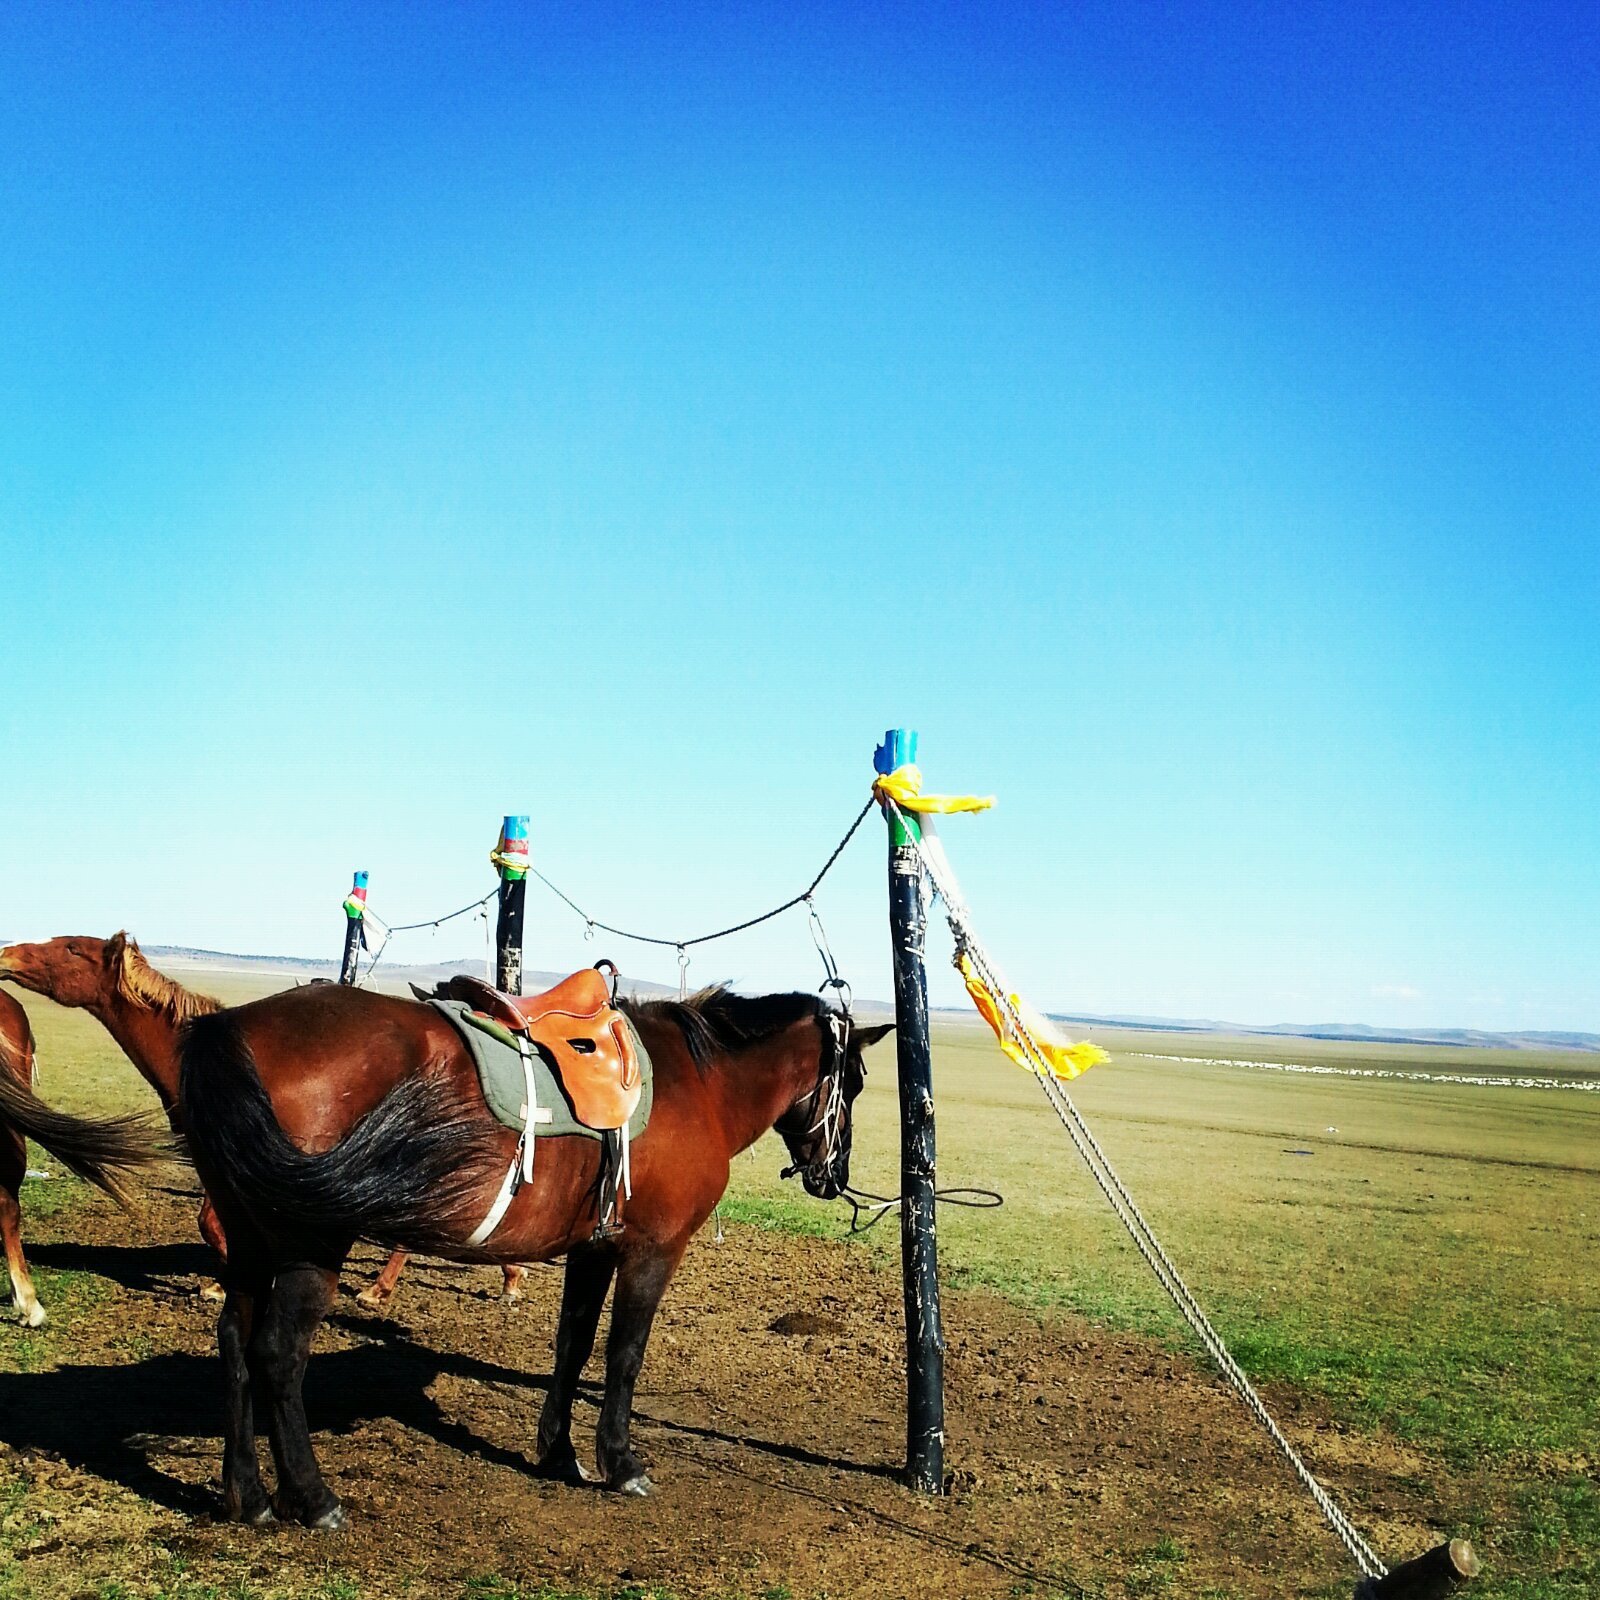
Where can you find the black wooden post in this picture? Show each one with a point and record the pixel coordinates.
(355, 908)
(918, 1247)
(511, 858)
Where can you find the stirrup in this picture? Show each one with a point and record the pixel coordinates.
(613, 1185)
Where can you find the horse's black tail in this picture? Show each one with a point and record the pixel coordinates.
(103, 1150)
(395, 1177)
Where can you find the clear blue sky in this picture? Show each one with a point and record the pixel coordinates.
(1185, 416)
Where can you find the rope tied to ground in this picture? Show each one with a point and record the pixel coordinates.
(969, 949)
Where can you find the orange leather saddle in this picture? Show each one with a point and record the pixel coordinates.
(581, 1033)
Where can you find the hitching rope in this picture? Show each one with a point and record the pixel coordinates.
(1116, 1193)
(722, 933)
(411, 927)
(680, 945)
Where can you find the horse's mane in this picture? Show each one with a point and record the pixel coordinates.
(715, 1021)
(141, 985)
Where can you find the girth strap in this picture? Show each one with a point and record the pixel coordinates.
(521, 1168)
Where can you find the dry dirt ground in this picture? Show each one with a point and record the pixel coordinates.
(1081, 1461)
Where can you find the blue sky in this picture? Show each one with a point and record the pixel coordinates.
(1185, 416)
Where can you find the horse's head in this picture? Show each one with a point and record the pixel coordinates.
(99, 975)
(75, 970)
(817, 1127)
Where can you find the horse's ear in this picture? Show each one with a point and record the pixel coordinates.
(870, 1036)
(115, 948)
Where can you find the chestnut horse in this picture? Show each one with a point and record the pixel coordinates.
(326, 1114)
(97, 1149)
(16, 1061)
(141, 1009)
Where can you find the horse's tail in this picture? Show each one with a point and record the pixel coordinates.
(103, 1150)
(396, 1177)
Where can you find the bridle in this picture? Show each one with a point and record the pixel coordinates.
(827, 1113)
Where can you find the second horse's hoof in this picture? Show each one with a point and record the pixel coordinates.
(640, 1486)
(566, 1470)
(330, 1521)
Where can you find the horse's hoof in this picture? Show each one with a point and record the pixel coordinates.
(213, 1291)
(261, 1517)
(331, 1521)
(33, 1316)
(569, 1470)
(639, 1485)
(371, 1301)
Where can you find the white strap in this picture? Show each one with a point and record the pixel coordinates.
(521, 1169)
(502, 1201)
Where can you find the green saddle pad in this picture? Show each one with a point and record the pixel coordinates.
(499, 1063)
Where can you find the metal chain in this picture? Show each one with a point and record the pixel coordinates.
(1128, 1213)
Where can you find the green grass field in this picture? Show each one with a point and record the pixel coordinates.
(1430, 1268)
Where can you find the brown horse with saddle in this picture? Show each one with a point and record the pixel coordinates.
(142, 1009)
(326, 1114)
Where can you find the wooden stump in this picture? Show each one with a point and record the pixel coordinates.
(1430, 1577)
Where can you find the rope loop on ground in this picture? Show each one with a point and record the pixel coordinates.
(875, 1207)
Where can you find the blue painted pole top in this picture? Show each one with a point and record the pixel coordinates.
(360, 881)
(899, 749)
(515, 828)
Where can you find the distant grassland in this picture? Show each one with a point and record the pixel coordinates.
(1432, 1266)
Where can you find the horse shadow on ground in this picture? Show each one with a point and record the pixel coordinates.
(117, 1421)
(395, 1338)
(143, 1268)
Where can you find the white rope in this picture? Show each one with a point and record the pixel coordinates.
(942, 876)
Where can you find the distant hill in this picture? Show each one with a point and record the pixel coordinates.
(401, 972)
(390, 973)
(1355, 1032)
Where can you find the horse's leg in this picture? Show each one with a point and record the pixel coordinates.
(376, 1294)
(641, 1281)
(211, 1228)
(300, 1299)
(511, 1290)
(583, 1293)
(244, 1498)
(211, 1232)
(13, 1169)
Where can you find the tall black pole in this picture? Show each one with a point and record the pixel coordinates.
(919, 1253)
(355, 908)
(511, 858)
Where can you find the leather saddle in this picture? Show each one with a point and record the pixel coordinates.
(580, 1032)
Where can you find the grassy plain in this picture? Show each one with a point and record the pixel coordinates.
(1430, 1268)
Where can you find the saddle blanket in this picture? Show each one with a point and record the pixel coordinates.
(499, 1063)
